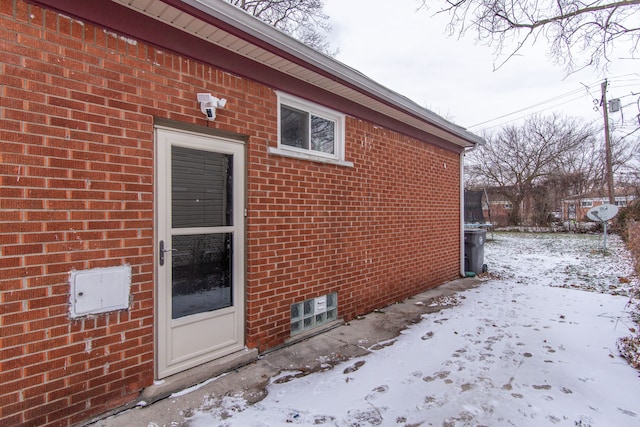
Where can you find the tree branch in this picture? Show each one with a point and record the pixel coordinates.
(572, 27)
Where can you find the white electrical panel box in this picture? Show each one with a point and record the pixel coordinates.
(99, 290)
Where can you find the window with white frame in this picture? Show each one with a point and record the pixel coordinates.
(310, 131)
(586, 203)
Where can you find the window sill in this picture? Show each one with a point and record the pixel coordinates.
(310, 157)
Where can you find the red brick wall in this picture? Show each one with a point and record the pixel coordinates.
(376, 233)
(76, 171)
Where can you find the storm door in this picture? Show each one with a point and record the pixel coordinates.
(199, 249)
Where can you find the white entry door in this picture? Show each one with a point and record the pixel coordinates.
(199, 249)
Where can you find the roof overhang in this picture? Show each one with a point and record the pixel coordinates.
(231, 39)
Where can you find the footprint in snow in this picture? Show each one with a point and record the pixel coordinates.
(376, 392)
(438, 375)
(354, 367)
(627, 412)
(554, 419)
(542, 387)
(381, 389)
(466, 387)
(427, 336)
(412, 377)
(509, 385)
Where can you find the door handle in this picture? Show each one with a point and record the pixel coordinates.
(162, 251)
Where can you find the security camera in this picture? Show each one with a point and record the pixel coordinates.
(209, 104)
(210, 112)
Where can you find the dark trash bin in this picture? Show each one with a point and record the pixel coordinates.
(474, 239)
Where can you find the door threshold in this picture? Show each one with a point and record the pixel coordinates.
(196, 375)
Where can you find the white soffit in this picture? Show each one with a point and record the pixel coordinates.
(406, 111)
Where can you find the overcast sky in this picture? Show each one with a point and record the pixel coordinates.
(408, 51)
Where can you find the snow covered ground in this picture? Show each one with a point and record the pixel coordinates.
(533, 345)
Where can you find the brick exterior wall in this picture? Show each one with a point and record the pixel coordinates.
(77, 107)
(376, 233)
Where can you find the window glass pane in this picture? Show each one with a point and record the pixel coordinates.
(332, 300)
(308, 307)
(296, 327)
(322, 135)
(294, 127)
(296, 311)
(201, 192)
(201, 273)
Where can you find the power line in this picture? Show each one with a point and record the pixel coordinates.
(526, 114)
(555, 98)
(622, 81)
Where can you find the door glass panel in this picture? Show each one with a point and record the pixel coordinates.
(201, 273)
(201, 192)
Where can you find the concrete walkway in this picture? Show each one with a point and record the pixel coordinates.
(248, 374)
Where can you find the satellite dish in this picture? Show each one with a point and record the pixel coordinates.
(602, 213)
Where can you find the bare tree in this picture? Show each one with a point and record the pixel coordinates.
(573, 28)
(518, 158)
(301, 19)
(584, 171)
(621, 155)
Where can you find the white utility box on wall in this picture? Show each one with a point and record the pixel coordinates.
(99, 290)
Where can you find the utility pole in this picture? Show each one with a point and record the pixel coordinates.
(607, 143)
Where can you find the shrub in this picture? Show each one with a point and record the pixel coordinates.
(626, 216)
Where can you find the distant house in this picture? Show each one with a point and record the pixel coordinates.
(497, 207)
(575, 208)
(184, 186)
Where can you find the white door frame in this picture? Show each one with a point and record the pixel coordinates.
(192, 340)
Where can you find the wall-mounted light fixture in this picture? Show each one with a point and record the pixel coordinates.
(209, 104)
